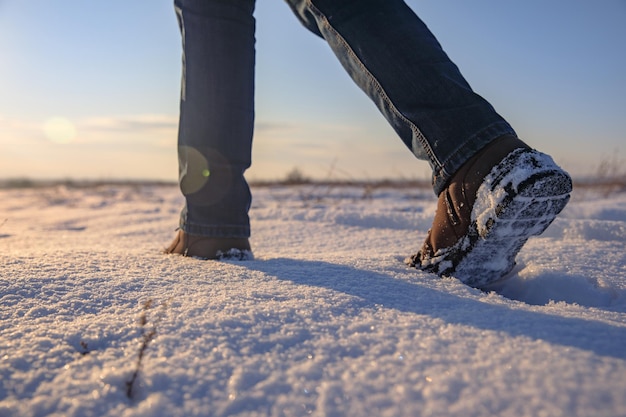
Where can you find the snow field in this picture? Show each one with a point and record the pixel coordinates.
(326, 321)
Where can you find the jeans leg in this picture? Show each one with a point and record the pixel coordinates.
(216, 115)
(391, 54)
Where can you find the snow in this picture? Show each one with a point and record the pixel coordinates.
(326, 321)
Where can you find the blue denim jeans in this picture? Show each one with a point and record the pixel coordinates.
(386, 49)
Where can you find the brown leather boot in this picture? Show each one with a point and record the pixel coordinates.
(210, 247)
(492, 205)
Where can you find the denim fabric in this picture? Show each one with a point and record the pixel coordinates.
(386, 49)
(216, 115)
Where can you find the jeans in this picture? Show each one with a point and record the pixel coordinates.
(386, 49)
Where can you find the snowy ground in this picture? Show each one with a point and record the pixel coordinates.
(327, 321)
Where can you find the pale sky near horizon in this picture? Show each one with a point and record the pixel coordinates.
(106, 75)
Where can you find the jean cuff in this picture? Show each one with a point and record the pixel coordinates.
(217, 231)
(466, 151)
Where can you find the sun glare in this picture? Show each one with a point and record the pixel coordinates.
(59, 130)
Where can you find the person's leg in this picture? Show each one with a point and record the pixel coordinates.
(216, 124)
(391, 54)
(494, 191)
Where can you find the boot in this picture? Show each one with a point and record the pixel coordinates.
(499, 198)
(210, 247)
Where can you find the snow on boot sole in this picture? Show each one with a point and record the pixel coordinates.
(518, 199)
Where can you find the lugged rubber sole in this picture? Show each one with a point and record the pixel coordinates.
(518, 199)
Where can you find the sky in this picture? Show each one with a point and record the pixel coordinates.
(90, 89)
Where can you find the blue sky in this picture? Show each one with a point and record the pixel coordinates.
(89, 89)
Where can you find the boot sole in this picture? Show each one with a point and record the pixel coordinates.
(519, 198)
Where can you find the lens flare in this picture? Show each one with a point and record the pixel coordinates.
(59, 130)
(194, 169)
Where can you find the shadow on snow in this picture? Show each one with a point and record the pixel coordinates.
(375, 288)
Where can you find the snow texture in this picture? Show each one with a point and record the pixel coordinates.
(326, 321)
